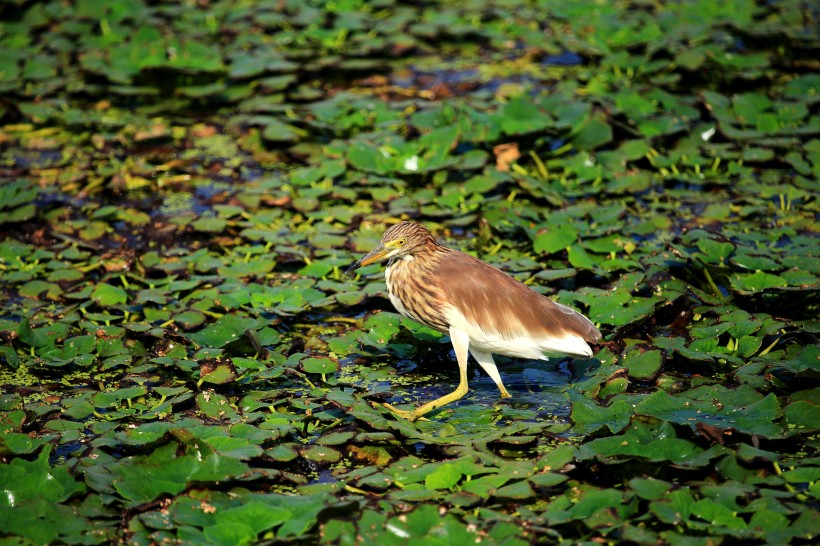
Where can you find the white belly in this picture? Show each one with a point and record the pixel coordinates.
(521, 346)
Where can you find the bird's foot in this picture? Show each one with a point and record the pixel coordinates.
(405, 414)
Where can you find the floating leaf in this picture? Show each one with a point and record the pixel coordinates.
(320, 365)
(108, 295)
(225, 330)
(587, 416)
(643, 364)
(216, 371)
(756, 282)
(169, 473)
(521, 115)
(444, 477)
(33, 493)
(748, 412)
(555, 238)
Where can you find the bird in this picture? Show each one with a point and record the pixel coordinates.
(483, 310)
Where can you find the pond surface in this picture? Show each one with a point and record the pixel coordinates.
(182, 359)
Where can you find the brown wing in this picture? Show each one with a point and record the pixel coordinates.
(502, 305)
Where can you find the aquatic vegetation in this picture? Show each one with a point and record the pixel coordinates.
(183, 360)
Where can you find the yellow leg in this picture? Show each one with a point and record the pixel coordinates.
(485, 360)
(460, 343)
(504, 393)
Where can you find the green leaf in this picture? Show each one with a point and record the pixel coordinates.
(141, 479)
(33, 289)
(556, 459)
(767, 521)
(321, 454)
(216, 406)
(522, 116)
(692, 408)
(550, 479)
(485, 485)
(675, 507)
(320, 365)
(44, 337)
(756, 282)
(216, 372)
(238, 448)
(363, 157)
(244, 523)
(804, 474)
(519, 490)
(554, 238)
(226, 329)
(209, 224)
(643, 365)
(594, 134)
(717, 514)
(648, 488)
(803, 415)
(715, 252)
(446, 476)
(587, 416)
(661, 449)
(28, 483)
(10, 354)
(189, 319)
(17, 443)
(580, 258)
(107, 295)
(380, 327)
(593, 500)
(277, 131)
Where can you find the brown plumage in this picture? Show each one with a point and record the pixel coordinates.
(484, 310)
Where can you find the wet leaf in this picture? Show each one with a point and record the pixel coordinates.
(555, 238)
(33, 493)
(521, 115)
(595, 133)
(216, 371)
(184, 187)
(587, 416)
(108, 295)
(225, 330)
(169, 473)
(643, 365)
(244, 523)
(747, 411)
(649, 489)
(319, 365)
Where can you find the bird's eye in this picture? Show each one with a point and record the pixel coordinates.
(401, 242)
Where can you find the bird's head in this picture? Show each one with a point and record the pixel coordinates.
(401, 240)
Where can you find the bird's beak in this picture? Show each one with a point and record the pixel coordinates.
(373, 256)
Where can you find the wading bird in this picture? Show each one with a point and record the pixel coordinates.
(484, 310)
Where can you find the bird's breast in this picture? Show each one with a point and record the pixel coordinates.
(413, 294)
(391, 291)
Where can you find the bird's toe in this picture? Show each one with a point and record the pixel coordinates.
(404, 414)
